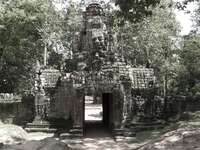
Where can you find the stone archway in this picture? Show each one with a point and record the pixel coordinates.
(105, 117)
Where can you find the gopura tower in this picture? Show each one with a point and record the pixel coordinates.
(100, 68)
(94, 39)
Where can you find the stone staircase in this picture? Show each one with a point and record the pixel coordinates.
(46, 126)
(40, 127)
(76, 132)
(144, 126)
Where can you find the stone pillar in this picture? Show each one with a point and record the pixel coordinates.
(126, 90)
(117, 108)
(40, 100)
(41, 107)
(78, 110)
(78, 113)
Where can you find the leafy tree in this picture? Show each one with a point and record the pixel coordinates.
(189, 74)
(146, 43)
(134, 10)
(71, 26)
(187, 81)
(137, 10)
(196, 18)
(21, 42)
(182, 5)
(152, 43)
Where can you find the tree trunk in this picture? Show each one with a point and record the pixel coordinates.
(165, 94)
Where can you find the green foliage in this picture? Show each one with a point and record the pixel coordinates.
(134, 10)
(26, 26)
(20, 42)
(151, 42)
(189, 74)
(70, 65)
(55, 60)
(188, 71)
(182, 5)
(196, 18)
(71, 26)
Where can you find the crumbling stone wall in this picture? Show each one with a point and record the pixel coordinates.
(179, 104)
(146, 106)
(67, 103)
(8, 112)
(18, 113)
(117, 108)
(61, 105)
(26, 110)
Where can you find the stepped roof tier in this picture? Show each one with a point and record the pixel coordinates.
(9, 98)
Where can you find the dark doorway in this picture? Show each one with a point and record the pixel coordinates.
(98, 125)
(107, 109)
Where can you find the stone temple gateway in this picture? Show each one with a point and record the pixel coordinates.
(125, 91)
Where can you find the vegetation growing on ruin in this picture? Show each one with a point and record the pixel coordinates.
(149, 36)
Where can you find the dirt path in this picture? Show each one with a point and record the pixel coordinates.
(93, 112)
(99, 138)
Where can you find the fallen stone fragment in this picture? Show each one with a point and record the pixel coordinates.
(46, 144)
(12, 134)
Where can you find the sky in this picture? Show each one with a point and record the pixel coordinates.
(185, 19)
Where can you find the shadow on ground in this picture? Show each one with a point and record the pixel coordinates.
(98, 137)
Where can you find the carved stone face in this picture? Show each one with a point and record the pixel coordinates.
(95, 39)
(98, 41)
(95, 23)
(97, 52)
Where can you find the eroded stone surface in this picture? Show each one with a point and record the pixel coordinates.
(180, 139)
(45, 144)
(11, 134)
